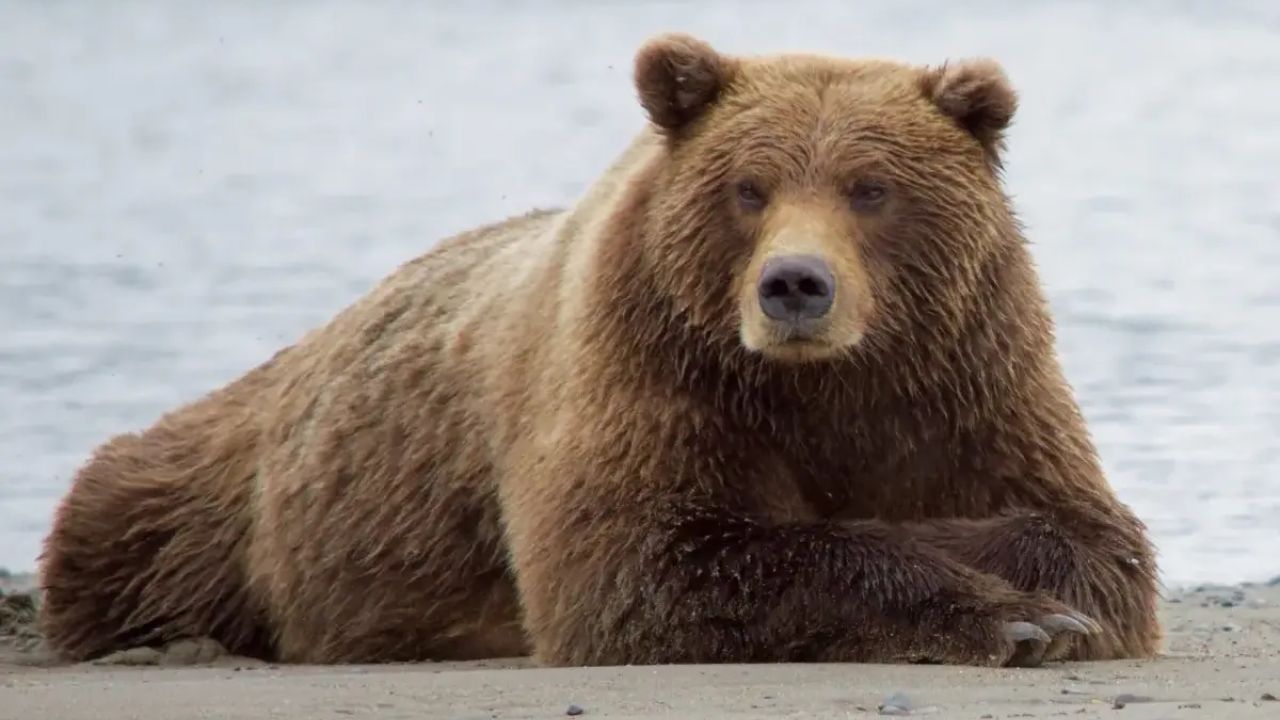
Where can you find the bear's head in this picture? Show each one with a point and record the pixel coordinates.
(806, 208)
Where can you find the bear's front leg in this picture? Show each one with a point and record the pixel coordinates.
(1092, 558)
(640, 552)
(1054, 524)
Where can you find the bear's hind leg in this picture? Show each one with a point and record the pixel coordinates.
(146, 549)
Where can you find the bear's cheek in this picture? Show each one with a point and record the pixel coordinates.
(701, 273)
(854, 310)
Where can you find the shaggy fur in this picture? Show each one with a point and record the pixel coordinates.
(575, 433)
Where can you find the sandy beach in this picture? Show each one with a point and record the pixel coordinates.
(1222, 660)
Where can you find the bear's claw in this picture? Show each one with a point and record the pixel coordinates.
(1031, 640)
(1057, 623)
(1023, 631)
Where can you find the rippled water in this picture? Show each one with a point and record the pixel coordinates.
(184, 187)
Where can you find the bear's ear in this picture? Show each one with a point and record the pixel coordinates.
(678, 77)
(977, 94)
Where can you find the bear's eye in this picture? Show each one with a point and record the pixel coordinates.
(868, 194)
(750, 196)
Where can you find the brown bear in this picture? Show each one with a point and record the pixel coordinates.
(782, 386)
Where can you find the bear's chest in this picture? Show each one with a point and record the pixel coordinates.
(902, 475)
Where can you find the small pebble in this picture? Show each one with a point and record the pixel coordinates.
(1128, 698)
(574, 710)
(896, 704)
(1270, 697)
(1231, 627)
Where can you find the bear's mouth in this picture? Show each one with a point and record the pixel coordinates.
(799, 351)
(799, 333)
(801, 342)
(796, 345)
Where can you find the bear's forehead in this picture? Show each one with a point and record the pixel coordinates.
(838, 111)
(809, 93)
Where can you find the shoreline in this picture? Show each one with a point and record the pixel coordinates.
(1221, 659)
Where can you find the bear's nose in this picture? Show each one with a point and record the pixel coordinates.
(796, 287)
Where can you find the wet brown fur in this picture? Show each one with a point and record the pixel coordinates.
(573, 433)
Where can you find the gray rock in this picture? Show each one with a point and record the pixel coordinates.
(574, 710)
(193, 651)
(131, 656)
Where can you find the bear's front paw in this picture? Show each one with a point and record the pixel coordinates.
(1011, 630)
(1032, 627)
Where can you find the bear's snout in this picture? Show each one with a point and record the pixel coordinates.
(795, 288)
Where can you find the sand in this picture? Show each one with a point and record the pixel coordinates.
(1222, 661)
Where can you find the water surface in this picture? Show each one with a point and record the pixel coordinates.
(185, 187)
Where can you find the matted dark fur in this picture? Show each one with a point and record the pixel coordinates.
(575, 433)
